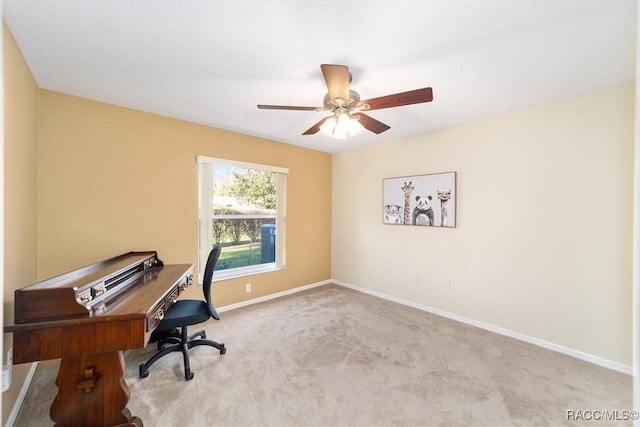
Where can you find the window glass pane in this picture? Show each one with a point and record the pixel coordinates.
(244, 216)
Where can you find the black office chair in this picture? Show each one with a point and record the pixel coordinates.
(173, 327)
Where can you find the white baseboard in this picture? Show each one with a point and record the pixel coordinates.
(596, 360)
(13, 415)
(273, 296)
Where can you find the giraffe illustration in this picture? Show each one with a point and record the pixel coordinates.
(444, 195)
(407, 188)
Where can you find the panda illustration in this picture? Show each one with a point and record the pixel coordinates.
(392, 214)
(423, 213)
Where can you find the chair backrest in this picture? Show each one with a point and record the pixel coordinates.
(208, 278)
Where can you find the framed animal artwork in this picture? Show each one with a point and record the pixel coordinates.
(423, 200)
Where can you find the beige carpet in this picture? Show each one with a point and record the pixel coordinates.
(331, 356)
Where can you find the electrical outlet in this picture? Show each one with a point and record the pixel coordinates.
(450, 283)
(6, 371)
(247, 287)
(6, 377)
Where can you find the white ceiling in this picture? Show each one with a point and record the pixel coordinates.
(212, 61)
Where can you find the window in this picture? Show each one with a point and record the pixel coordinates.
(242, 208)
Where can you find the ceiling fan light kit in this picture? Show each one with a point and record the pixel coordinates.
(341, 125)
(345, 104)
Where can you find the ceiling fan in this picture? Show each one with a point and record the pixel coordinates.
(347, 108)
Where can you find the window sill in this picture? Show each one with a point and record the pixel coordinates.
(245, 271)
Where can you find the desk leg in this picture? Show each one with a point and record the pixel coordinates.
(92, 392)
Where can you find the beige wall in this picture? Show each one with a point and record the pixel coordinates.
(111, 180)
(544, 226)
(20, 139)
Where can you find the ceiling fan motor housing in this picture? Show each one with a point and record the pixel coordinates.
(331, 104)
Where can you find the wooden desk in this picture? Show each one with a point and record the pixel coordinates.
(87, 317)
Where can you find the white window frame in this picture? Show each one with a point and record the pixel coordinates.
(205, 238)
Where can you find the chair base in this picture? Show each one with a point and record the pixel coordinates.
(180, 341)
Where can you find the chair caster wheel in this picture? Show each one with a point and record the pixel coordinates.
(188, 376)
(223, 350)
(143, 373)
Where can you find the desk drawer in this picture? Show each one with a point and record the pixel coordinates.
(157, 314)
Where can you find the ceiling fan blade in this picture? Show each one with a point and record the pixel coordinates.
(315, 128)
(397, 99)
(286, 107)
(337, 79)
(371, 124)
